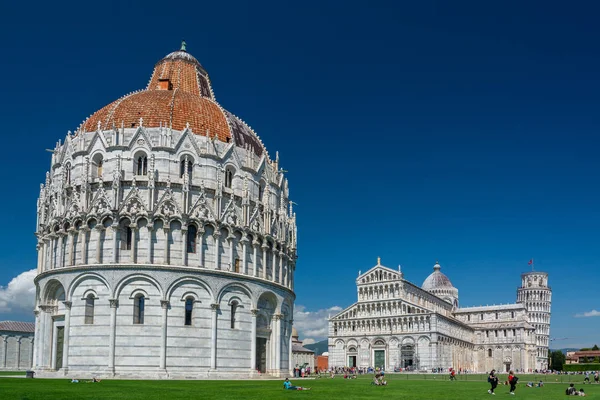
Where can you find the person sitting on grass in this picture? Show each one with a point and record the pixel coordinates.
(288, 385)
(375, 381)
(581, 392)
(540, 384)
(571, 391)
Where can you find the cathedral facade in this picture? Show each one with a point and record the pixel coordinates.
(166, 240)
(397, 324)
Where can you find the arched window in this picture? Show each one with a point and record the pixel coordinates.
(138, 309)
(512, 314)
(89, 309)
(496, 315)
(234, 306)
(189, 308)
(182, 167)
(228, 178)
(489, 352)
(99, 166)
(191, 238)
(142, 165)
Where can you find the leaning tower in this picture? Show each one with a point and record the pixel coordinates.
(537, 297)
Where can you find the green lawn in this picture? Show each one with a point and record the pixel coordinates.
(5, 373)
(338, 388)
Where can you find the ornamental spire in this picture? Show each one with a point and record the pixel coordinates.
(183, 45)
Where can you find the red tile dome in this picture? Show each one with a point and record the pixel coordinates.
(179, 93)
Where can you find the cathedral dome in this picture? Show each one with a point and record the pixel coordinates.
(437, 280)
(294, 333)
(179, 95)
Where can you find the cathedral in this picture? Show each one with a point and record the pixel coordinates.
(397, 324)
(166, 240)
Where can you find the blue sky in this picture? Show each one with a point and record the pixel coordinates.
(414, 131)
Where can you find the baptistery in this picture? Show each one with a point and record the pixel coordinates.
(166, 240)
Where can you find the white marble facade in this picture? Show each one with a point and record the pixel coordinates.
(396, 324)
(164, 253)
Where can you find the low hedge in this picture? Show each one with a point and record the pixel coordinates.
(581, 367)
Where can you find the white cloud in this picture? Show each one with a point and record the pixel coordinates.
(308, 341)
(313, 324)
(19, 295)
(592, 313)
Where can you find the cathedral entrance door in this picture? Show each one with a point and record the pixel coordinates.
(379, 356)
(261, 354)
(507, 367)
(407, 352)
(60, 338)
(352, 361)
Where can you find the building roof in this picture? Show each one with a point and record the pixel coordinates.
(300, 349)
(437, 280)
(494, 307)
(586, 353)
(179, 95)
(17, 326)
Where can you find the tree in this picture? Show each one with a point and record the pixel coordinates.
(557, 360)
(595, 347)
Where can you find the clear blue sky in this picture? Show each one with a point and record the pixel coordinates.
(414, 131)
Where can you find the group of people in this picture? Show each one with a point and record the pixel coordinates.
(301, 372)
(493, 381)
(587, 377)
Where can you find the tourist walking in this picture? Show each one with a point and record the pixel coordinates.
(512, 380)
(493, 380)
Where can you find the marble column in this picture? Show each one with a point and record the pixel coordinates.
(84, 244)
(217, 237)
(5, 345)
(201, 247)
(184, 253)
(275, 265)
(254, 313)
(164, 304)
(290, 365)
(149, 251)
(114, 304)
(278, 318)
(167, 247)
(31, 347)
(134, 233)
(67, 328)
(264, 259)
(61, 250)
(39, 248)
(213, 339)
(231, 240)
(280, 261)
(99, 228)
(245, 255)
(115, 245)
(34, 350)
(255, 258)
(71, 245)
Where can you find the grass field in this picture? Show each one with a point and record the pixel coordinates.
(338, 388)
